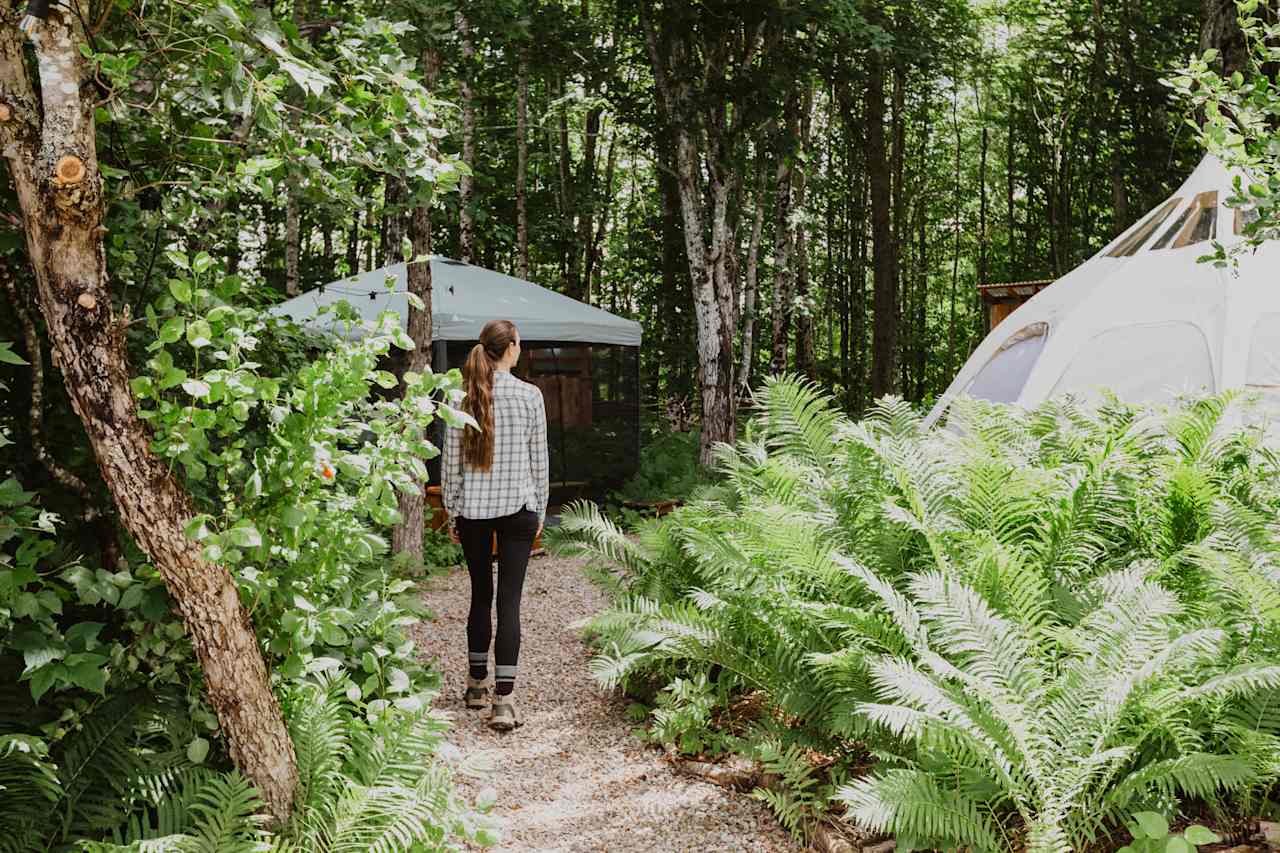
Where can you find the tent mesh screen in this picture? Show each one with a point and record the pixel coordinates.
(592, 397)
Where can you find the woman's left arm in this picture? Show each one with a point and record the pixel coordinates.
(539, 469)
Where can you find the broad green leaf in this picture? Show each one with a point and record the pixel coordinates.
(196, 388)
(199, 333)
(293, 517)
(244, 536)
(197, 750)
(1153, 825)
(181, 290)
(8, 356)
(1197, 835)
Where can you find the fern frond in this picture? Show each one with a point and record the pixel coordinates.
(911, 805)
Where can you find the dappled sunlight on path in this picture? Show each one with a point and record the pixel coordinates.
(574, 778)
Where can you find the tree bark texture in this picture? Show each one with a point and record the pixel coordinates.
(706, 262)
(393, 198)
(522, 165)
(292, 244)
(594, 264)
(466, 185)
(63, 225)
(1220, 29)
(783, 275)
(748, 313)
(884, 332)
(406, 537)
(806, 356)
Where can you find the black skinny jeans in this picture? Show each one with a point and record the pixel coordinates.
(516, 533)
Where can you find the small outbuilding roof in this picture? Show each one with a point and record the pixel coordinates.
(463, 298)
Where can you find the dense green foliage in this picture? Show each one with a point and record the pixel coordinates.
(300, 467)
(1036, 623)
(1235, 120)
(369, 782)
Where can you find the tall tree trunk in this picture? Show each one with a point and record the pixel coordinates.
(806, 358)
(1009, 179)
(1220, 30)
(884, 332)
(955, 255)
(52, 158)
(393, 199)
(713, 375)
(567, 195)
(982, 202)
(406, 536)
(783, 235)
(748, 313)
(292, 242)
(899, 233)
(1119, 198)
(584, 210)
(522, 164)
(353, 244)
(466, 185)
(594, 265)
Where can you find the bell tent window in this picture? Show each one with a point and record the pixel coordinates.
(1002, 378)
(1195, 225)
(1149, 363)
(1130, 245)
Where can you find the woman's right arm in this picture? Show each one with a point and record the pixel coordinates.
(451, 474)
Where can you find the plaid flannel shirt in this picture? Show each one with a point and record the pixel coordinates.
(518, 478)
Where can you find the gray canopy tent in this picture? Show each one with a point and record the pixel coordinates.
(585, 360)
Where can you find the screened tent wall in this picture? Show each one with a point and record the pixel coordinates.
(585, 360)
(592, 398)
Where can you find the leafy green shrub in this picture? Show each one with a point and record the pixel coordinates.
(369, 781)
(296, 475)
(1151, 834)
(992, 610)
(668, 470)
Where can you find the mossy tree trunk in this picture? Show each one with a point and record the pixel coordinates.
(49, 145)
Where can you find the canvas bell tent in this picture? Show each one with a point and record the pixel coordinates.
(1142, 317)
(585, 360)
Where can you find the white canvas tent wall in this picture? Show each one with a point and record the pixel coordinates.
(1142, 317)
(463, 299)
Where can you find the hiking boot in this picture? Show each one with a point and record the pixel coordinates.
(504, 717)
(476, 696)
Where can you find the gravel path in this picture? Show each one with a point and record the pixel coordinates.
(574, 777)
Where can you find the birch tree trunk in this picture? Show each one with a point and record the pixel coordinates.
(717, 409)
(752, 285)
(466, 184)
(49, 146)
(522, 164)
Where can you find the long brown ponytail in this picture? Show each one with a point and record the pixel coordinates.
(477, 380)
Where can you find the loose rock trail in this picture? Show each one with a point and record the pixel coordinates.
(574, 777)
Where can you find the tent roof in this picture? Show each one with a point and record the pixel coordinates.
(1143, 317)
(463, 298)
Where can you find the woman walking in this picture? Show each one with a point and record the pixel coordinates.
(495, 482)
